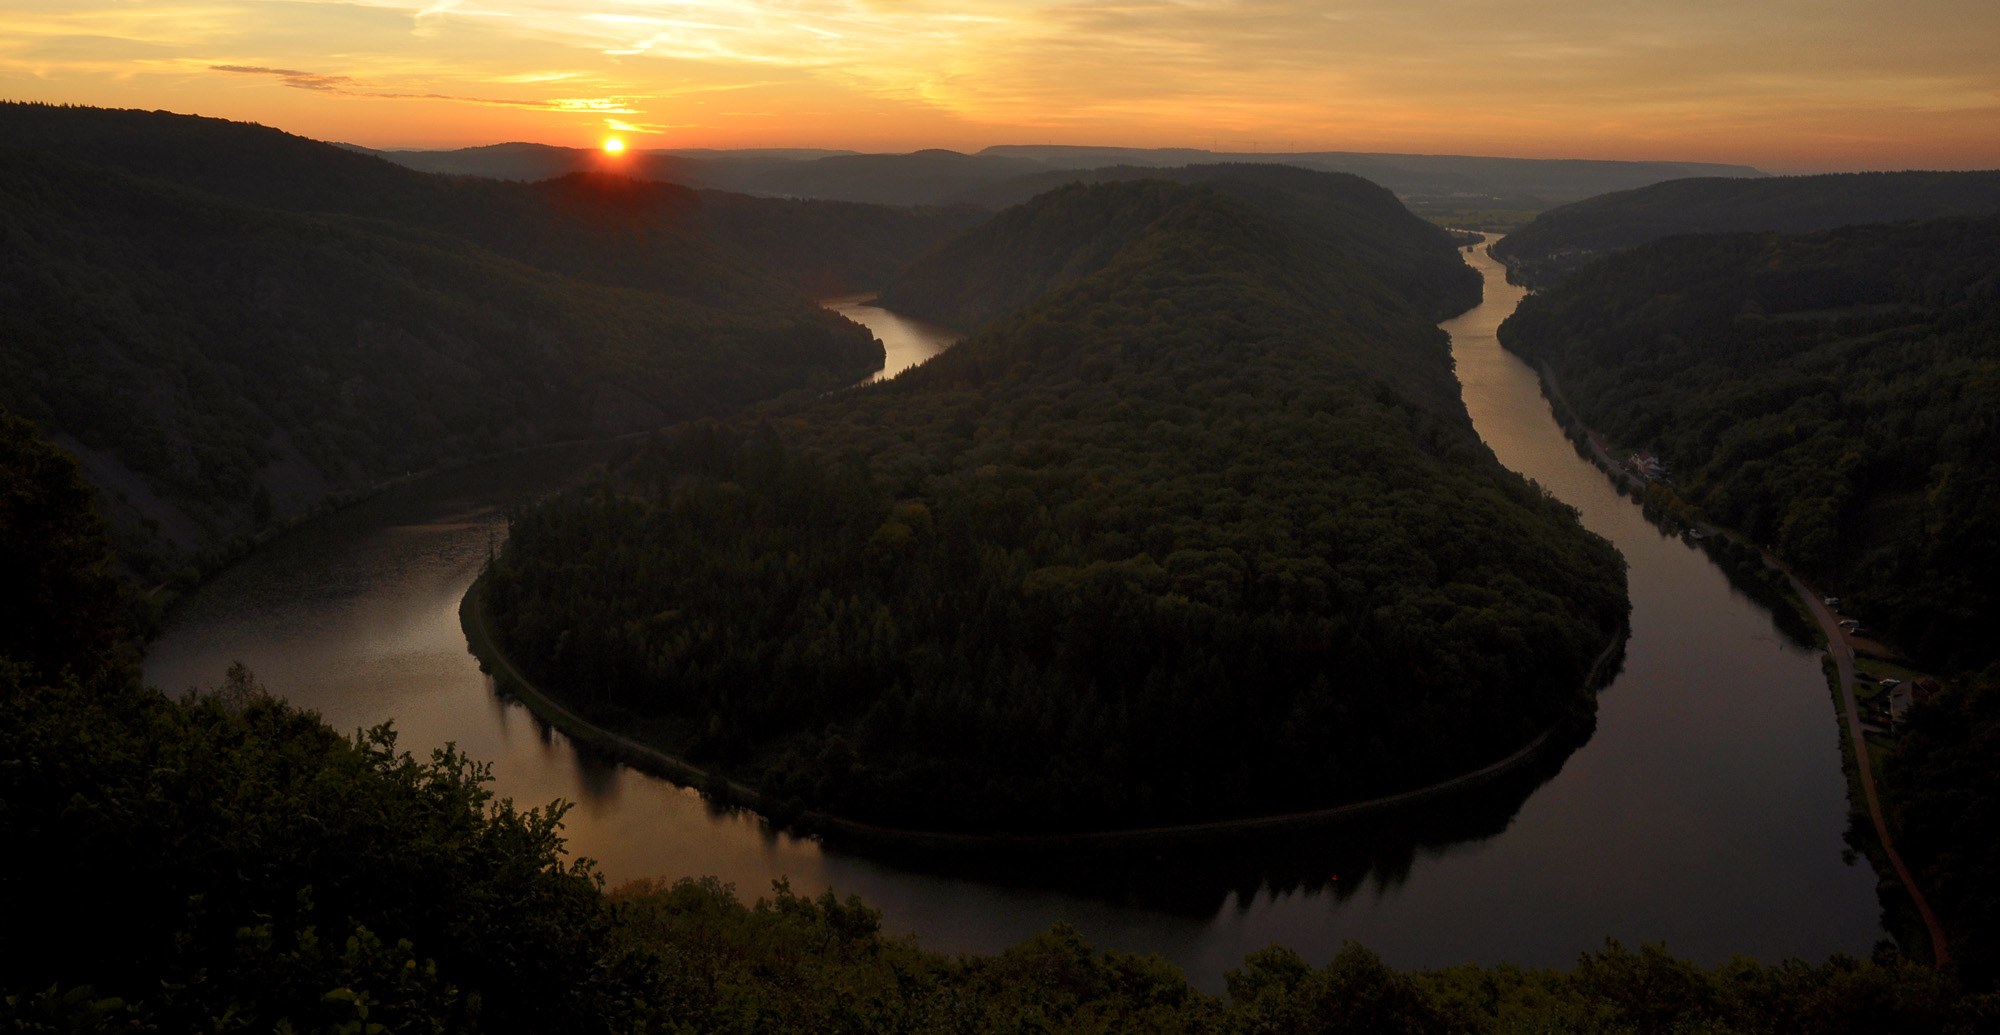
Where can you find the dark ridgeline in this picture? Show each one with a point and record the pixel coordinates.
(1009, 174)
(592, 223)
(229, 323)
(1070, 232)
(1835, 395)
(1563, 240)
(1201, 531)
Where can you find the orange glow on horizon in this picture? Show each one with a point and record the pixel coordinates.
(1859, 87)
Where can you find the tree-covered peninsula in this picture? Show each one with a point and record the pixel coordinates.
(1204, 532)
(1029, 250)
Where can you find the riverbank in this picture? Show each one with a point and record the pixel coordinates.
(495, 662)
(1859, 768)
(153, 608)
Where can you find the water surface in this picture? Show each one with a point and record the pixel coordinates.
(906, 342)
(1706, 811)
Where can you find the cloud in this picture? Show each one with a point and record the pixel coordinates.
(295, 79)
(349, 86)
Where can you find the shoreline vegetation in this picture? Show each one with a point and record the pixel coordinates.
(1798, 597)
(721, 791)
(1828, 395)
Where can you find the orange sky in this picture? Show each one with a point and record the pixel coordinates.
(1787, 85)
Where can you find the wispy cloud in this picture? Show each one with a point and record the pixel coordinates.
(351, 87)
(296, 79)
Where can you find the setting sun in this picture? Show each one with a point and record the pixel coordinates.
(614, 145)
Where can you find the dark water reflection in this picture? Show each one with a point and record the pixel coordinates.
(1706, 811)
(1195, 882)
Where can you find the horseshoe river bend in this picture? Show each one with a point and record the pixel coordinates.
(1707, 810)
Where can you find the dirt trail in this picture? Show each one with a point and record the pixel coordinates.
(1843, 663)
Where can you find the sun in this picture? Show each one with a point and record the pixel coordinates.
(614, 145)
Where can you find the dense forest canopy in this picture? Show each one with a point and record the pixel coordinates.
(1835, 395)
(219, 364)
(229, 323)
(226, 863)
(1204, 533)
(1026, 251)
(1942, 782)
(1562, 240)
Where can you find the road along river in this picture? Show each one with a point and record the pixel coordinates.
(1706, 811)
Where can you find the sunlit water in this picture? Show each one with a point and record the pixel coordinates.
(1706, 812)
(905, 342)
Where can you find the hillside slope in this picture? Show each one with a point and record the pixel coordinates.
(217, 364)
(1562, 240)
(593, 221)
(1027, 251)
(1204, 533)
(1831, 394)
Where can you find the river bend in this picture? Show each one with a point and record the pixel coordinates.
(1707, 811)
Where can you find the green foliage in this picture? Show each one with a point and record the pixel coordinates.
(57, 611)
(1650, 992)
(1072, 231)
(787, 964)
(228, 863)
(1277, 992)
(1942, 780)
(1831, 394)
(210, 353)
(1563, 240)
(232, 864)
(1205, 534)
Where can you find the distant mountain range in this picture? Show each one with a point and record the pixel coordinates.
(1562, 240)
(1004, 175)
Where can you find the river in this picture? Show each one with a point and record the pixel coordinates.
(1706, 811)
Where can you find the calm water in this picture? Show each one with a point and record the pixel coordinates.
(1705, 812)
(907, 342)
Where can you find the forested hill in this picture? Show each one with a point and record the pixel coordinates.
(1562, 240)
(1027, 251)
(1205, 533)
(217, 364)
(1832, 394)
(595, 224)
